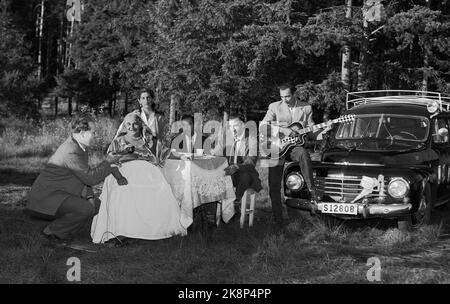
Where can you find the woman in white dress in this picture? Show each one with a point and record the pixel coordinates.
(145, 208)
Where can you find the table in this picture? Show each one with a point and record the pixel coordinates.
(200, 181)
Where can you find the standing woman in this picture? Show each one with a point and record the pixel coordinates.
(150, 114)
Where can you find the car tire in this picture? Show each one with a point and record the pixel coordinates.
(423, 214)
(404, 223)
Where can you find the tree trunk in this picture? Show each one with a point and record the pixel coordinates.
(360, 85)
(110, 106)
(425, 71)
(363, 56)
(224, 126)
(426, 61)
(40, 26)
(114, 103)
(345, 75)
(173, 107)
(363, 62)
(69, 106)
(56, 106)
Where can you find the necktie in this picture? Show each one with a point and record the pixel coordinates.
(235, 150)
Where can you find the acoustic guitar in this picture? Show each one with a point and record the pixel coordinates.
(283, 142)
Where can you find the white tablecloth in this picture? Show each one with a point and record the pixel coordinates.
(198, 182)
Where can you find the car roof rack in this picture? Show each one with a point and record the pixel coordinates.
(397, 96)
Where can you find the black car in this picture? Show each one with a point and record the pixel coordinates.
(391, 161)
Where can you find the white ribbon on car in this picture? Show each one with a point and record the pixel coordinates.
(369, 184)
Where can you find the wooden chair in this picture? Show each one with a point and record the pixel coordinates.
(218, 213)
(244, 211)
(248, 211)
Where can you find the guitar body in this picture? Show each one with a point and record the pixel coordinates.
(287, 143)
(282, 143)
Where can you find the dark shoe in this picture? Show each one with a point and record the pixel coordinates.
(55, 240)
(314, 201)
(119, 241)
(82, 247)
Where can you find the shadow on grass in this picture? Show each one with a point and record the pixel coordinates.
(16, 177)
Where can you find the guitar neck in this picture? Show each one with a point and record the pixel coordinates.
(315, 127)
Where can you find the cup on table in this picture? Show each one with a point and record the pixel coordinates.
(199, 152)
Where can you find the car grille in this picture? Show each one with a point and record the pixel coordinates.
(342, 188)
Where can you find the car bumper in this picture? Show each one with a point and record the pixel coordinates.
(364, 210)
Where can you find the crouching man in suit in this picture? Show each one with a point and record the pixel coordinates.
(63, 192)
(242, 157)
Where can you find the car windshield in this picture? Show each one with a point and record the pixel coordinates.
(397, 128)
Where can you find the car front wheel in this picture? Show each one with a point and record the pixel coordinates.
(423, 214)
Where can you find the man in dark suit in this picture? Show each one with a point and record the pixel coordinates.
(63, 190)
(242, 156)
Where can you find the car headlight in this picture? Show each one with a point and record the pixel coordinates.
(398, 187)
(432, 106)
(295, 181)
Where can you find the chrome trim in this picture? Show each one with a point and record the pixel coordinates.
(302, 181)
(345, 189)
(352, 164)
(345, 193)
(393, 179)
(378, 209)
(345, 177)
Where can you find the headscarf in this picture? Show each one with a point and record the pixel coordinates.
(160, 151)
(146, 133)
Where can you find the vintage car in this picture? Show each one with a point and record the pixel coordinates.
(391, 161)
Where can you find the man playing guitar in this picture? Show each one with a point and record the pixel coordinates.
(282, 114)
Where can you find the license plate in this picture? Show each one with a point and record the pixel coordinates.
(338, 208)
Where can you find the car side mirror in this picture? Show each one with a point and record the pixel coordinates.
(441, 136)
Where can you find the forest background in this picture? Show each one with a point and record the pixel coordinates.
(211, 56)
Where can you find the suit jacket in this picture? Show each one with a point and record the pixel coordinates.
(280, 113)
(67, 173)
(247, 176)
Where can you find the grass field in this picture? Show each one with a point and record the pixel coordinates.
(307, 251)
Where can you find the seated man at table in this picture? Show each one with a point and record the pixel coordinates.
(242, 157)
